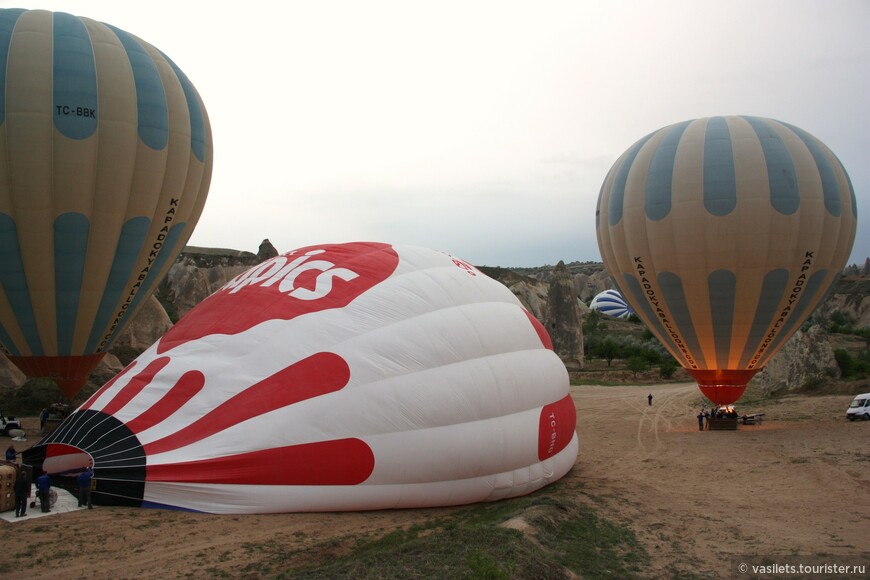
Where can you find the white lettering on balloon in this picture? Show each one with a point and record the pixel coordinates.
(283, 271)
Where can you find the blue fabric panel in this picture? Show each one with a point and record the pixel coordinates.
(15, 285)
(617, 190)
(805, 298)
(70, 250)
(781, 174)
(75, 78)
(8, 18)
(720, 180)
(723, 291)
(675, 298)
(659, 181)
(830, 185)
(772, 290)
(150, 95)
(129, 245)
(197, 116)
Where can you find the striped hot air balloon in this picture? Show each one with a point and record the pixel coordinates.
(338, 377)
(611, 303)
(105, 163)
(724, 234)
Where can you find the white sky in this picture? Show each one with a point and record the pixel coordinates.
(483, 129)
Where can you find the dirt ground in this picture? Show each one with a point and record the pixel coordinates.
(798, 484)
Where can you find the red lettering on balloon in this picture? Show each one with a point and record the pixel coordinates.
(299, 282)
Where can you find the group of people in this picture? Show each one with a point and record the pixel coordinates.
(715, 413)
(84, 481)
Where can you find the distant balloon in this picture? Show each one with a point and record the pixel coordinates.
(611, 303)
(106, 159)
(338, 377)
(724, 234)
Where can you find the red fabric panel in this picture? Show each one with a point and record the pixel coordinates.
(136, 384)
(187, 386)
(556, 427)
(339, 462)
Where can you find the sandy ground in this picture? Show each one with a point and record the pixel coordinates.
(799, 484)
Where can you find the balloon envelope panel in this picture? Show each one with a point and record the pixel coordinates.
(105, 158)
(611, 303)
(724, 234)
(339, 377)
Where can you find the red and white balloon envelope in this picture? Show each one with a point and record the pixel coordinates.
(338, 377)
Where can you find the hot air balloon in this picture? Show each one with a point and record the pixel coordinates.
(105, 158)
(338, 377)
(611, 303)
(724, 234)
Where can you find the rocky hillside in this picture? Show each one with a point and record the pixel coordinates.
(557, 296)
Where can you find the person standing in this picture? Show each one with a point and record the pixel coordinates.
(11, 454)
(43, 416)
(649, 399)
(43, 491)
(22, 492)
(701, 421)
(85, 480)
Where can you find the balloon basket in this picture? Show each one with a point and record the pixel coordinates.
(722, 424)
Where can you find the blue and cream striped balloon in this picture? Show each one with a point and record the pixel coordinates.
(724, 234)
(611, 303)
(106, 159)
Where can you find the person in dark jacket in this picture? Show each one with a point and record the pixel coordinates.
(22, 492)
(85, 480)
(43, 491)
(11, 454)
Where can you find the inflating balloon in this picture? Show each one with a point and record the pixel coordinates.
(611, 303)
(724, 234)
(105, 163)
(338, 377)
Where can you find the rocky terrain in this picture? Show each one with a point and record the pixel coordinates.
(557, 296)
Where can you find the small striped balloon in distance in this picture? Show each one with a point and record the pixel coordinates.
(106, 157)
(724, 234)
(611, 303)
(336, 377)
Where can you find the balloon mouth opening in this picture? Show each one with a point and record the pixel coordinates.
(71, 373)
(723, 386)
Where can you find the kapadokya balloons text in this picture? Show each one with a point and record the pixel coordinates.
(611, 303)
(724, 234)
(338, 377)
(106, 159)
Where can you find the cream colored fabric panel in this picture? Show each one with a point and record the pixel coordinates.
(118, 142)
(29, 131)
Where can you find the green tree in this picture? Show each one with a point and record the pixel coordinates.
(637, 364)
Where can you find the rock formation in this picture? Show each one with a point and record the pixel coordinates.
(564, 319)
(806, 357)
(198, 272)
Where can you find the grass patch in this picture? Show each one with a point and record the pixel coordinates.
(558, 538)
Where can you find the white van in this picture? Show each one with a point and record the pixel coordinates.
(859, 408)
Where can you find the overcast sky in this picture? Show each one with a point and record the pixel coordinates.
(484, 129)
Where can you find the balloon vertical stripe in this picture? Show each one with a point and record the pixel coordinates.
(674, 296)
(723, 294)
(8, 18)
(75, 78)
(615, 206)
(130, 243)
(782, 179)
(15, 286)
(824, 163)
(657, 201)
(775, 283)
(70, 252)
(720, 181)
(197, 117)
(153, 118)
